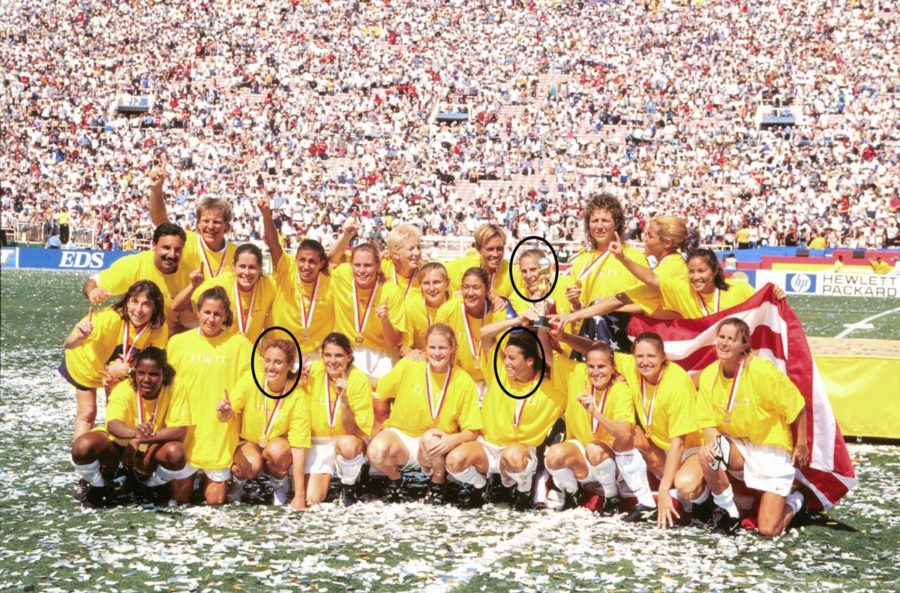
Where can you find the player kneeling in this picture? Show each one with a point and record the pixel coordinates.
(274, 427)
(146, 423)
(435, 410)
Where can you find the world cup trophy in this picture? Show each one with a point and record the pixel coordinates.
(543, 290)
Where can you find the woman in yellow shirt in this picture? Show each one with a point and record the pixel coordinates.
(513, 426)
(145, 426)
(749, 412)
(370, 311)
(490, 241)
(101, 347)
(341, 420)
(435, 409)
(421, 310)
(274, 431)
(304, 303)
(209, 361)
(599, 422)
(251, 293)
(404, 253)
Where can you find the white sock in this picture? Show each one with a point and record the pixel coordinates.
(704, 496)
(795, 501)
(235, 490)
(725, 500)
(605, 474)
(281, 487)
(634, 471)
(565, 480)
(470, 476)
(686, 504)
(90, 473)
(348, 469)
(524, 477)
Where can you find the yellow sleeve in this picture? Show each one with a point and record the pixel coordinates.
(677, 295)
(389, 385)
(160, 336)
(179, 413)
(620, 405)
(705, 407)
(470, 414)
(299, 432)
(121, 404)
(359, 392)
(121, 274)
(239, 393)
(782, 398)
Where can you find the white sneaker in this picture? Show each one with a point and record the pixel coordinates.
(235, 490)
(281, 490)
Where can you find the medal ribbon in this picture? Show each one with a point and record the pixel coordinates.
(595, 424)
(599, 260)
(474, 346)
(520, 407)
(331, 408)
(203, 252)
(243, 324)
(648, 413)
(361, 326)
(440, 405)
(732, 395)
(703, 303)
(128, 350)
(408, 286)
(306, 317)
(270, 420)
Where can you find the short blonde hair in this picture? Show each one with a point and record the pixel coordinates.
(400, 235)
(211, 203)
(444, 330)
(486, 232)
(671, 228)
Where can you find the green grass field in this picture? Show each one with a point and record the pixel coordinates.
(49, 543)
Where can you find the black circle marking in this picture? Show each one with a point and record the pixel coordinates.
(543, 366)
(512, 258)
(253, 368)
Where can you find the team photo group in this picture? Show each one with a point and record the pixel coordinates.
(351, 368)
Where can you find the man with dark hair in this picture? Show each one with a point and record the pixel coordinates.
(160, 265)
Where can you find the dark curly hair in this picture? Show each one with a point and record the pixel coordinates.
(607, 202)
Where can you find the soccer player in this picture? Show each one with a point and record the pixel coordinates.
(161, 266)
(207, 250)
(305, 303)
(404, 253)
(421, 309)
(274, 432)
(435, 409)
(341, 420)
(749, 412)
(209, 361)
(370, 311)
(599, 422)
(251, 293)
(490, 240)
(101, 347)
(146, 422)
(513, 426)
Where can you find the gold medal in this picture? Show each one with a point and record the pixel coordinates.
(263, 442)
(727, 419)
(359, 340)
(142, 448)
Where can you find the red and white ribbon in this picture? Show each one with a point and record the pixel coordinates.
(718, 302)
(595, 424)
(128, 347)
(243, 323)
(645, 411)
(598, 261)
(474, 345)
(361, 326)
(204, 254)
(435, 412)
(306, 315)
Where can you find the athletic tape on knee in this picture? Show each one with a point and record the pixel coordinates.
(470, 476)
(90, 473)
(605, 474)
(564, 479)
(348, 470)
(634, 472)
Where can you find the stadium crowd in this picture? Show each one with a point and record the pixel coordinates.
(330, 107)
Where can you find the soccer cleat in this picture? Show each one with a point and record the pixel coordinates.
(81, 489)
(97, 497)
(435, 494)
(394, 491)
(611, 505)
(702, 513)
(281, 494)
(721, 523)
(348, 495)
(469, 497)
(522, 501)
(573, 499)
(640, 513)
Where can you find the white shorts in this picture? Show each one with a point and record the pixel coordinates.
(766, 467)
(320, 456)
(584, 456)
(688, 452)
(373, 363)
(493, 452)
(216, 475)
(411, 444)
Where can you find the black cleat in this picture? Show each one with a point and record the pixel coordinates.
(435, 494)
(81, 489)
(640, 513)
(347, 496)
(701, 514)
(611, 505)
(469, 497)
(721, 523)
(97, 497)
(394, 491)
(522, 501)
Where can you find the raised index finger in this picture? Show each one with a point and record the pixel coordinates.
(90, 314)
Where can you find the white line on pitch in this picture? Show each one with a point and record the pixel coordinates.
(854, 326)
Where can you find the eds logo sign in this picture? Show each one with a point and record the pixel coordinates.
(800, 283)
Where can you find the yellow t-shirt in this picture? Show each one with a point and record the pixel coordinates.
(205, 368)
(342, 284)
(668, 408)
(671, 266)
(106, 342)
(880, 267)
(285, 417)
(617, 404)
(262, 297)
(125, 271)
(536, 414)
(602, 275)
(742, 235)
(678, 295)
(214, 263)
(408, 287)
(326, 423)
(419, 317)
(766, 403)
(286, 312)
(500, 284)
(167, 410)
(453, 314)
(411, 413)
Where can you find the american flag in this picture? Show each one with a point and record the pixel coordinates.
(776, 334)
